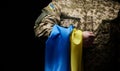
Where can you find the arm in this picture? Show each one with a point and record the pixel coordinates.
(50, 16)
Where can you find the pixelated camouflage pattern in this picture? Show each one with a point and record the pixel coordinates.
(99, 16)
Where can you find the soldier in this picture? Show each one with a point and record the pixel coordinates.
(94, 18)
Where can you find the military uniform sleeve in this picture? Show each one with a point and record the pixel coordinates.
(49, 17)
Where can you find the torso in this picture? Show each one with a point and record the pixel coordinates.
(91, 13)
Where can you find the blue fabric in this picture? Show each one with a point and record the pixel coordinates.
(57, 51)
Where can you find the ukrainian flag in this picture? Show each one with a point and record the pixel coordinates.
(63, 50)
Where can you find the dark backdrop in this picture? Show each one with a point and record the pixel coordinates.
(23, 52)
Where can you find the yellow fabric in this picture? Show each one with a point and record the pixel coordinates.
(76, 50)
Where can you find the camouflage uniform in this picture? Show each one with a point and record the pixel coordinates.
(99, 16)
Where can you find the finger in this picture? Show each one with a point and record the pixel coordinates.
(91, 34)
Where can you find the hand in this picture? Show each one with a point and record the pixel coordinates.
(88, 38)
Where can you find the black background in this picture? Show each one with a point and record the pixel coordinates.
(22, 50)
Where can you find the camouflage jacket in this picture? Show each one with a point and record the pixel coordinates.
(99, 16)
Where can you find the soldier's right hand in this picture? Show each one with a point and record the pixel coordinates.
(88, 38)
